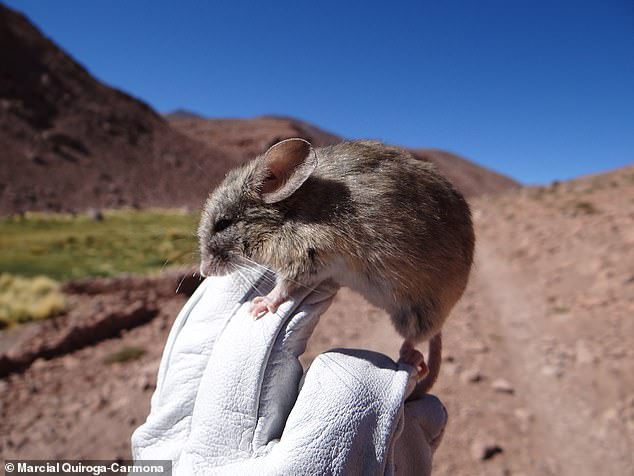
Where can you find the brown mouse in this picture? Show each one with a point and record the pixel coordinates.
(366, 215)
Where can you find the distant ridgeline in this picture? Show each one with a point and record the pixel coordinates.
(70, 142)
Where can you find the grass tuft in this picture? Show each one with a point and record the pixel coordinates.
(561, 309)
(29, 299)
(124, 354)
(583, 207)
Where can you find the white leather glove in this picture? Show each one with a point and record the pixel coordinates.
(228, 397)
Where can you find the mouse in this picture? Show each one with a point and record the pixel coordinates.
(363, 214)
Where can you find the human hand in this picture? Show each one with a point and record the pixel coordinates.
(228, 397)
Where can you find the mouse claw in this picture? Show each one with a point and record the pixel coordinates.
(261, 305)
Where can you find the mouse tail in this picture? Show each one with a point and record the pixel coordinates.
(433, 364)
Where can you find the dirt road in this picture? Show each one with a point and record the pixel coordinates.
(539, 351)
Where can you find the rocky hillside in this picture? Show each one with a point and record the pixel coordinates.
(247, 137)
(69, 142)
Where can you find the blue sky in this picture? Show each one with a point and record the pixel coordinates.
(538, 90)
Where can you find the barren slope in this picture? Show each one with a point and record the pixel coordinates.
(69, 142)
(248, 137)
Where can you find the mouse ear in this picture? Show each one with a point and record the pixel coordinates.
(285, 167)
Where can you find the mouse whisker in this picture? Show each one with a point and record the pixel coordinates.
(180, 283)
(257, 265)
(266, 277)
(249, 269)
(245, 276)
(252, 264)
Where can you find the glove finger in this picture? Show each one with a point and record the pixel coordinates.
(250, 380)
(425, 420)
(283, 373)
(343, 422)
(185, 357)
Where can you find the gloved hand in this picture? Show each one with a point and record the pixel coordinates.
(230, 398)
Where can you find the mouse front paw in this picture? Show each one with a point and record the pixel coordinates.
(263, 304)
(259, 307)
(269, 303)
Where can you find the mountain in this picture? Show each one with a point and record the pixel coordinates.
(183, 114)
(69, 142)
(470, 178)
(248, 137)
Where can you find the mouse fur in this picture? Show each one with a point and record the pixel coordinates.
(364, 214)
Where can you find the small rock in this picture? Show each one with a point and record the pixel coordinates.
(524, 417)
(523, 414)
(146, 382)
(502, 386)
(99, 403)
(583, 353)
(70, 362)
(472, 376)
(611, 414)
(478, 347)
(590, 302)
(552, 371)
(22, 442)
(94, 214)
(73, 409)
(38, 364)
(451, 368)
(119, 404)
(484, 449)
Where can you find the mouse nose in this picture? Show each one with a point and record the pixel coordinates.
(213, 265)
(206, 268)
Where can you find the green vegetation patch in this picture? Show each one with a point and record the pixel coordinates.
(124, 354)
(28, 299)
(583, 208)
(63, 246)
(561, 309)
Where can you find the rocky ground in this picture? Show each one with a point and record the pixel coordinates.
(538, 371)
(552, 300)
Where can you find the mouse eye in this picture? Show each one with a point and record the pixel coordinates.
(222, 224)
